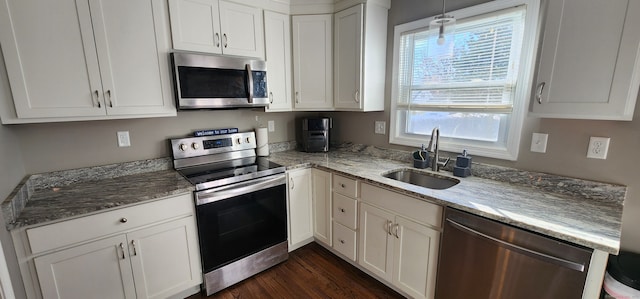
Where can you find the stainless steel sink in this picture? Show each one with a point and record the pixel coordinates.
(422, 179)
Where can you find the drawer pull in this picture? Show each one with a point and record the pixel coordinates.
(123, 220)
(341, 241)
(342, 210)
(133, 242)
(342, 185)
(389, 223)
(122, 248)
(395, 232)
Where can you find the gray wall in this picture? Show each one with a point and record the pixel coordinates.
(568, 139)
(56, 146)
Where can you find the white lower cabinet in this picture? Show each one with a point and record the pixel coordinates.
(396, 248)
(96, 269)
(321, 198)
(145, 251)
(299, 208)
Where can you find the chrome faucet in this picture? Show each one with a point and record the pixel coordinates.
(434, 148)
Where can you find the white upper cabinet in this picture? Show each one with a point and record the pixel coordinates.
(277, 30)
(195, 25)
(312, 62)
(360, 57)
(217, 26)
(589, 66)
(86, 60)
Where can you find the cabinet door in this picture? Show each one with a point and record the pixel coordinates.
(376, 242)
(132, 41)
(165, 258)
(321, 205)
(415, 258)
(348, 61)
(278, 56)
(242, 30)
(51, 64)
(313, 62)
(589, 71)
(100, 269)
(299, 202)
(195, 25)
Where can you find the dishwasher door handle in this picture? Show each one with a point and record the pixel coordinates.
(528, 252)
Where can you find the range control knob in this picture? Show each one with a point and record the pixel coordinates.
(183, 147)
(239, 140)
(195, 145)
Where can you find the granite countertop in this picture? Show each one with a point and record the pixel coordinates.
(44, 198)
(583, 212)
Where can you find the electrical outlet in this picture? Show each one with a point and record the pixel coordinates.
(123, 139)
(381, 127)
(271, 126)
(598, 147)
(539, 142)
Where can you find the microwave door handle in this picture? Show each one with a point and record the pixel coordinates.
(249, 83)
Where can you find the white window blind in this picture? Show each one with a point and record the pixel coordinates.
(477, 71)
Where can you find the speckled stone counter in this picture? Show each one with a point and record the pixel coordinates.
(43, 198)
(583, 212)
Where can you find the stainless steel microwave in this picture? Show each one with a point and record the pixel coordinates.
(204, 81)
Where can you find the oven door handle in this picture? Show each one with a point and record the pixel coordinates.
(224, 192)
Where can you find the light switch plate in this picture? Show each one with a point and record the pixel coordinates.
(598, 147)
(271, 125)
(381, 127)
(123, 139)
(539, 142)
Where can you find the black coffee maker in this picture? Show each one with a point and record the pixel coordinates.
(315, 134)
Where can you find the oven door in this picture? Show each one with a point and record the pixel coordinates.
(238, 220)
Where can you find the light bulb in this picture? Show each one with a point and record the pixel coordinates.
(441, 35)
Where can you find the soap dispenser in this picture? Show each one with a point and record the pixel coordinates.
(463, 165)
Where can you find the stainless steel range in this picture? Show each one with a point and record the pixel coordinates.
(240, 206)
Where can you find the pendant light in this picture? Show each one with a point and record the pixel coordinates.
(444, 24)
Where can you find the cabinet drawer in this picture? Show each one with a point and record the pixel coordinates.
(345, 186)
(410, 207)
(344, 240)
(345, 210)
(68, 232)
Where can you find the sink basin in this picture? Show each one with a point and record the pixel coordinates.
(422, 179)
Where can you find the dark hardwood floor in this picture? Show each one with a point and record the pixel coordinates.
(311, 272)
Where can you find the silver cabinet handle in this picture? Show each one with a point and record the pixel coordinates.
(341, 241)
(217, 40)
(539, 92)
(342, 185)
(342, 210)
(226, 40)
(109, 97)
(123, 220)
(356, 96)
(133, 242)
(389, 223)
(291, 180)
(396, 229)
(297, 98)
(528, 252)
(122, 248)
(98, 98)
(270, 97)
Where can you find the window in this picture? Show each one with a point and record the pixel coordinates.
(475, 87)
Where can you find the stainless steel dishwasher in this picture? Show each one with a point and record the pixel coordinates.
(482, 258)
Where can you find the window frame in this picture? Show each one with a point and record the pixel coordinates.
(522, 92)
